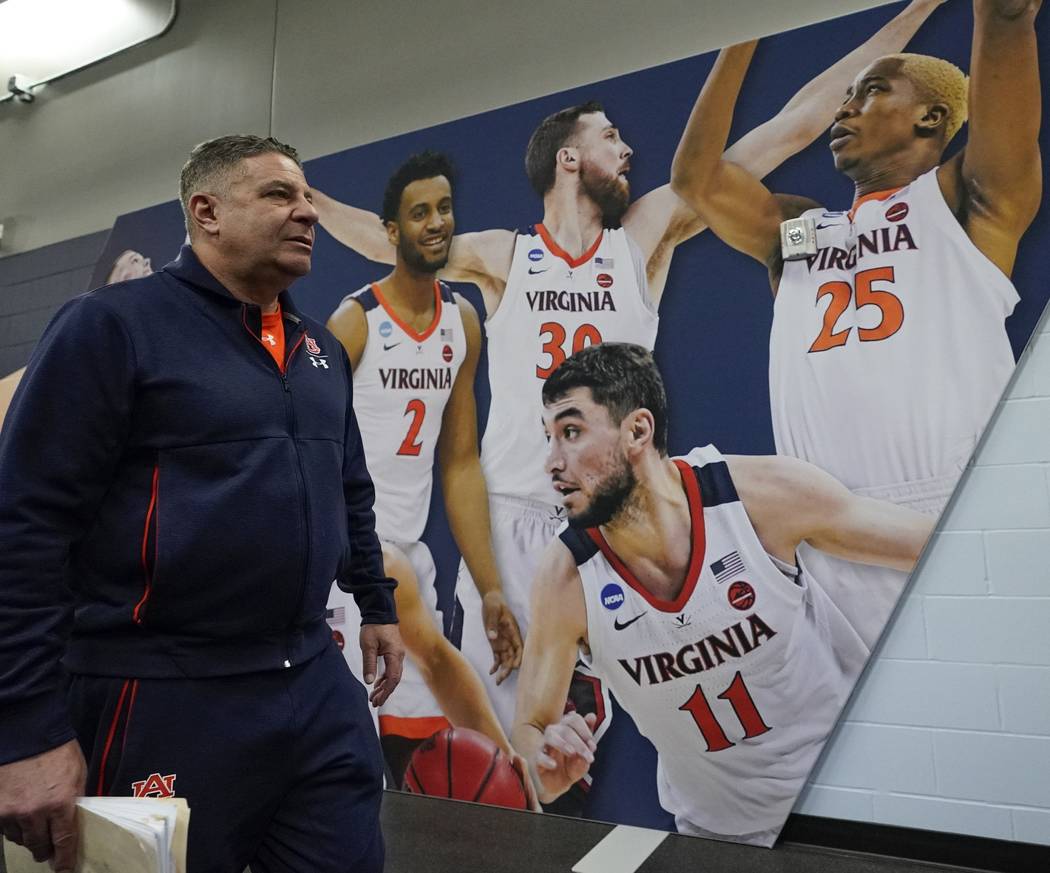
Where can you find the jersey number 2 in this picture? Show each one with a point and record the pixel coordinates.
(418, 409)
(744, 708)
(841, 292)
(585, 335)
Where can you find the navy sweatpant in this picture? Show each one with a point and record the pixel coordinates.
(282, 770)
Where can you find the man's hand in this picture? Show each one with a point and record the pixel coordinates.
(501, 629)
(36, 803)
(566, 754)
(382, 640)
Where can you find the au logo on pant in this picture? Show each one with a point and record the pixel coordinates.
(154, 785)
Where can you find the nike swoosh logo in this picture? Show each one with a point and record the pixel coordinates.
(387, 348)
(533, 272)
(822, 226)
(617, 624)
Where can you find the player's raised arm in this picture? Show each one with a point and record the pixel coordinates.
(467, 503)
(808, 114)
(662, 219)
(790, 500)
(559, 749)
(450, 678)
(998, 179)
(732, 201)
(355, 228)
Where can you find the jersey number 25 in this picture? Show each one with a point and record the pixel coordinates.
(888, 304)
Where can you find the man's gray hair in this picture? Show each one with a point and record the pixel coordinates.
(210, 163)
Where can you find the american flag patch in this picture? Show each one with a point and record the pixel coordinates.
(446, 334)
(336, 616)
(604, 262)
(727, 566)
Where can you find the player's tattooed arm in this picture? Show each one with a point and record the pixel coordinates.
(790, 501)
(995, 184)
(349, 325)
(467, 503)
(559, 748)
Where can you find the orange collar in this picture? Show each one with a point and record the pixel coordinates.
(874, 195)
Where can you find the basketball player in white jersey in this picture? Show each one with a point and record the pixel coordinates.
(677, 579)
(888, 350)
(414, 346)
(594, 269)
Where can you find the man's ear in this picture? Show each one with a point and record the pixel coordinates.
(202, 210)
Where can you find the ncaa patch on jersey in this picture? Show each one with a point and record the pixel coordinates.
(446, 354)
(385, 329)
(612, 596)
(604, 279)
(535, 254)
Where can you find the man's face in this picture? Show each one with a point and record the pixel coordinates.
(129, 265)
(586, 460)
(425, 224)
(876, 123)
(604, 165)
(266, 218)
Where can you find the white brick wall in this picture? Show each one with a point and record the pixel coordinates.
(950, 727)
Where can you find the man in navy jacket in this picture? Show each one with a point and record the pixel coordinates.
(181, 479)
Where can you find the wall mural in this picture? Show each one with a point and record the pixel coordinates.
(687, 651)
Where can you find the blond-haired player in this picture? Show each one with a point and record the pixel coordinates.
(888, 350)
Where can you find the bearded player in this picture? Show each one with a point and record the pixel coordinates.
(594, 269)
(888, 350)
(677, 578)
(413, 346)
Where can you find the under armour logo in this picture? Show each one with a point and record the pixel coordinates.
(318, 362)
(269, 338)
(154, 785)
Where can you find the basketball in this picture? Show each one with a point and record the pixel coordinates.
(465, 765)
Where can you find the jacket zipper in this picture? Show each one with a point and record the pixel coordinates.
(300, 475)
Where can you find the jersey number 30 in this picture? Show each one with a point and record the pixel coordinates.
(554, 346)
(739, 698)
(888, 304)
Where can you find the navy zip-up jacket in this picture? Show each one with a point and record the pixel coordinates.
(171, 503)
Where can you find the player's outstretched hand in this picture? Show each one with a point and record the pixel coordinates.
(36, 803)
(382, 641)
(501, 628)
(566, 754)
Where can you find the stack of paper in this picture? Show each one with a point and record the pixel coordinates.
(121, 835)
